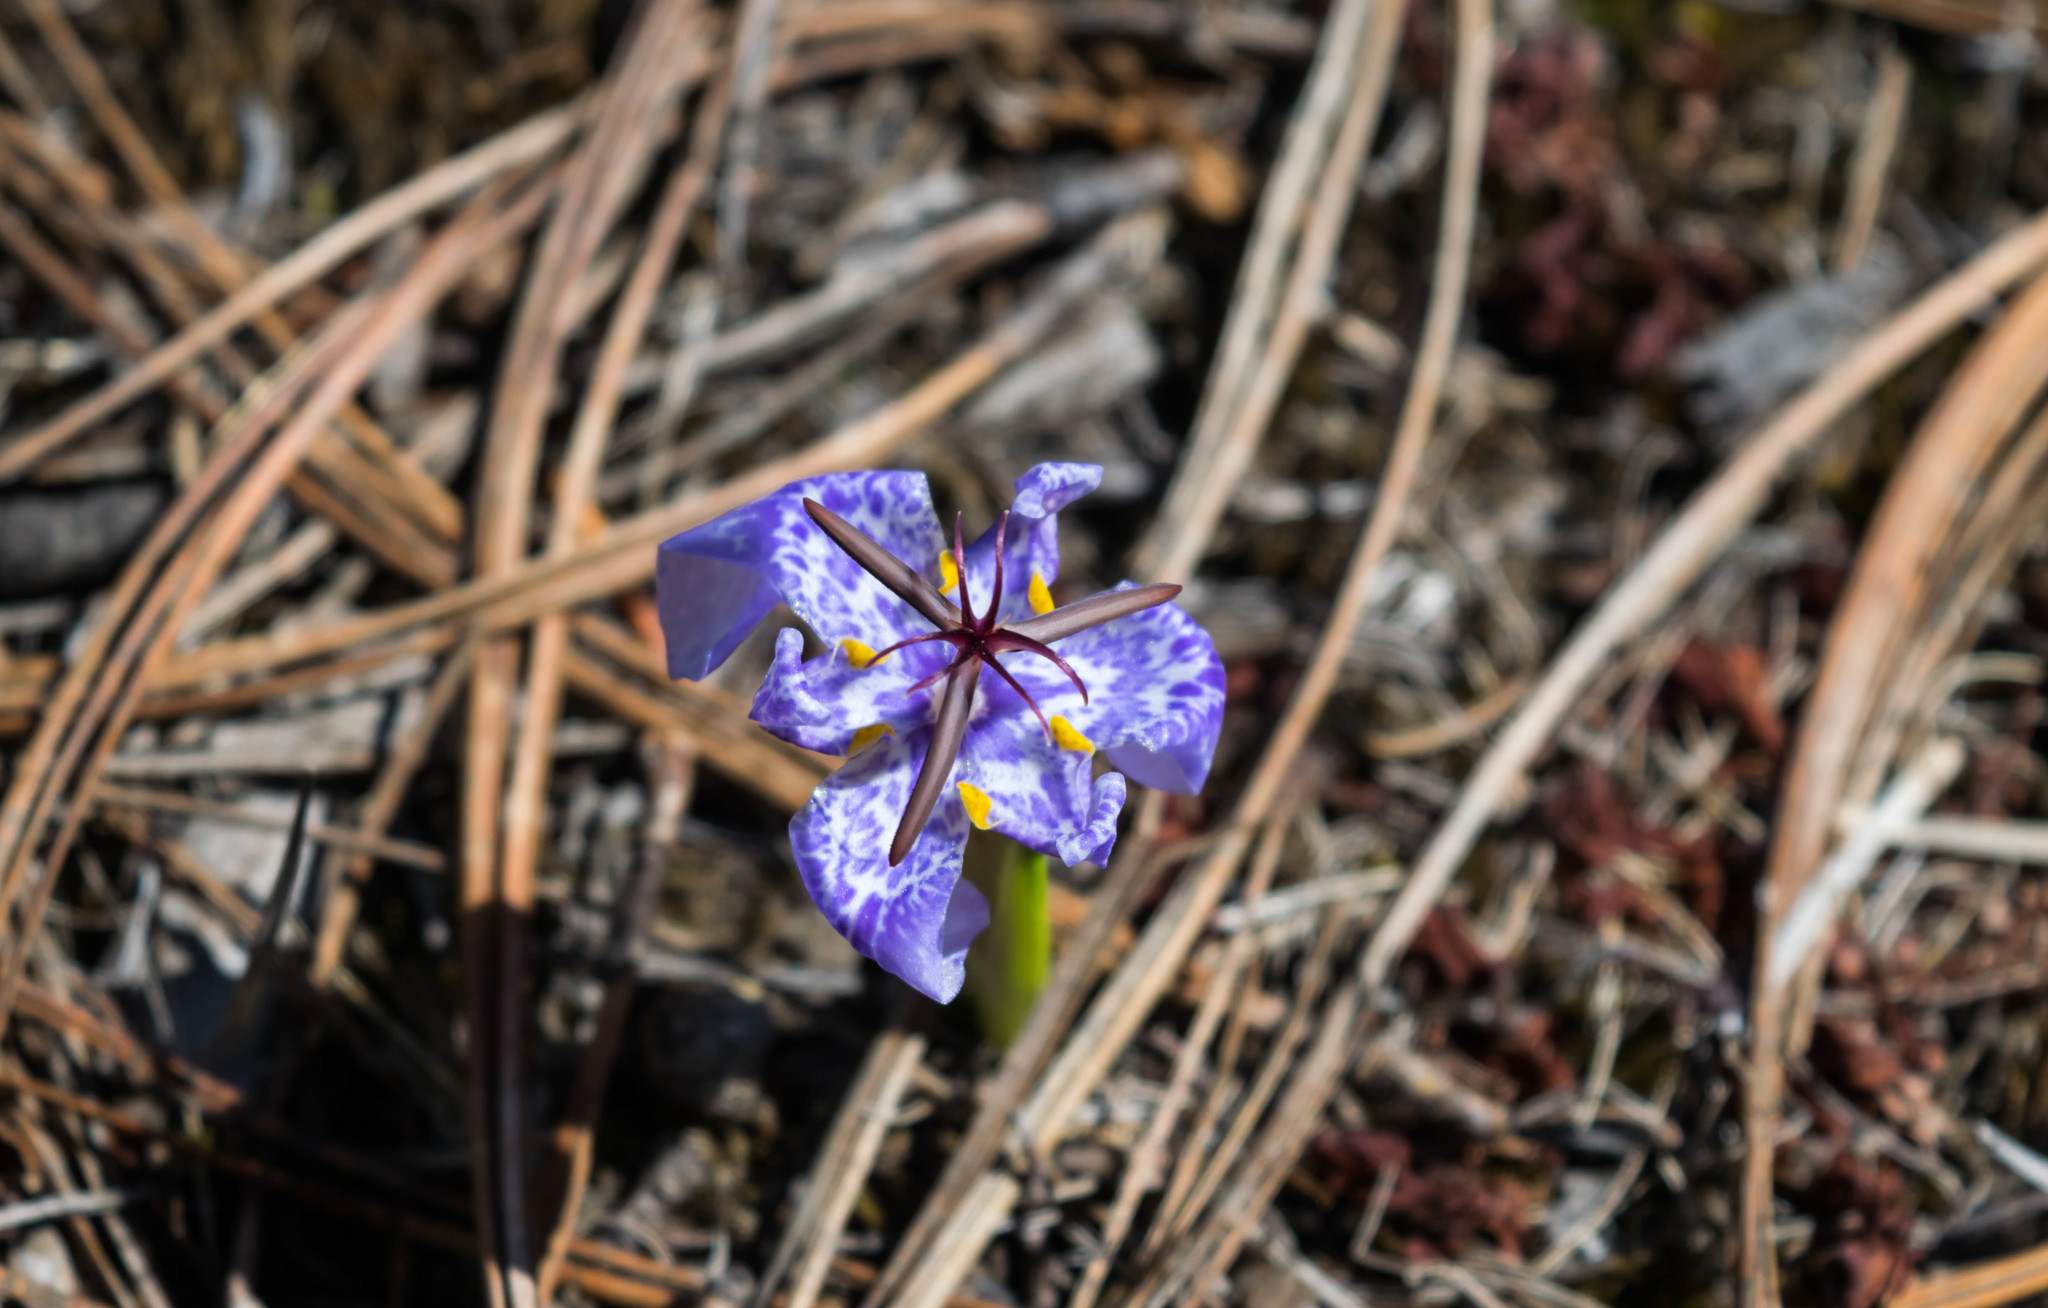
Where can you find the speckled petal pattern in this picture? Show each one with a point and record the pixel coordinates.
(823, 703)
(916, 919)
(1041, 796)
(714, 583)
(1032, 543)
(1155, 691)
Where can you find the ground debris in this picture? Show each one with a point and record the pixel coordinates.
(1521, 393)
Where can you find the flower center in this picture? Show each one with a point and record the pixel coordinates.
(976, 640)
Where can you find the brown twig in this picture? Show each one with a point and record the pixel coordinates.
(1265, 860)
(508, 153)
(353, 342)
(1990, 1284)
(549, 653)
(1930, 495)
(621, 559)
(497, 862)
(1884, 121)
(364, 844)
(896, 1055)
(345, 879)
(1206, 1251)
(1693, 540)
(367, 517)
(1966, 16)
(1302, 213)
(84, 693)
(229, 269)
(566, 1175)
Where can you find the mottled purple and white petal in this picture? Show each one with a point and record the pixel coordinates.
(1155, 694)
(1046, 488)
(829, 704)
(1031, 543)
(1042, 792)
(715, 583)
(915, 919)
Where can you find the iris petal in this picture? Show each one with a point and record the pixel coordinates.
(1040, 795)
(1046, 488)
(1033, 545)
(823, 703)
(915, 919)
(715, 583)
(1155, 694)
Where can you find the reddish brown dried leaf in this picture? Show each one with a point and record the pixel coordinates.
(1446, 945)
(1730, 679)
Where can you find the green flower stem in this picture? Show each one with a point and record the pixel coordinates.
(1009, 964)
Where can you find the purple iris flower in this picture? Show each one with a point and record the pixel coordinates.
(960, 705)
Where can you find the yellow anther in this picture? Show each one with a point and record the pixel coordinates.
(1064, 735)
(1039, 595)
(977, 802)
(857, 654)
(949, 575)
(869, 735)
